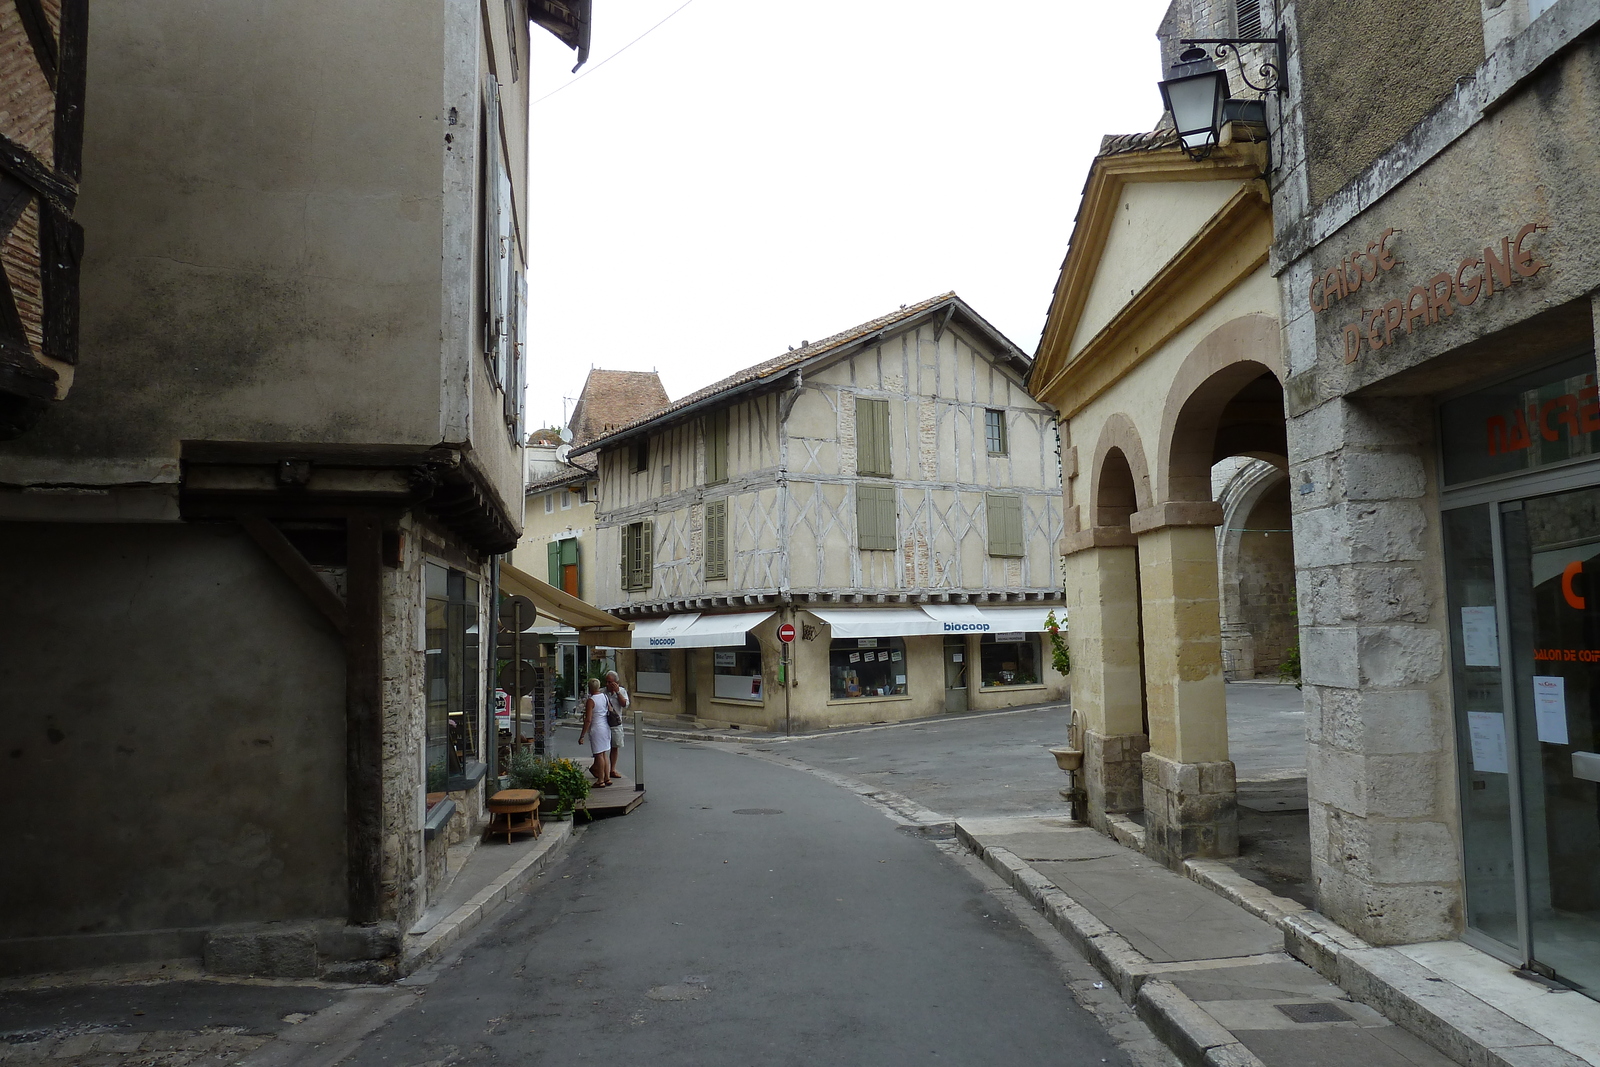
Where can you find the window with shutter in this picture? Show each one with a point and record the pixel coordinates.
(553, 562)
(717, 539)
(570, 567)
(875, 518)
(647, 548)
(1005, 525)
(872, 438)
(716, 439)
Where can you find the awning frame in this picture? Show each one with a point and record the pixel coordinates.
(593, 625)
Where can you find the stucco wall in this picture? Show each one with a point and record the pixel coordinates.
(539, 529)
(251, 250)
(172, 726)
(1376, 69)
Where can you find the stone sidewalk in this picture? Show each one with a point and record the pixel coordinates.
(1218, 966)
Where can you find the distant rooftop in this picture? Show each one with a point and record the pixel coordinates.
(612, 399)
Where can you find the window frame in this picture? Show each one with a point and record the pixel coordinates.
(840, 648)
(639, 455)
(714, 434)
(638, 550)
(996, 435)
(988, 641)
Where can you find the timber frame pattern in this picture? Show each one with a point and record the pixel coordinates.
(42, 70)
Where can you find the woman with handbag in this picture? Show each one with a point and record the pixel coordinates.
(597, 728)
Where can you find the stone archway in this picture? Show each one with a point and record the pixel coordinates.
(1225, 400)
(1105, 630)
(1251, 569)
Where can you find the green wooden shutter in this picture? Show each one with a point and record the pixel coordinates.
(716, 438)
(553, 551)
(872, 438)
(647, 549)
(875, 518)
(627, 557)
(717, 539)
(1005, 525)
(888, 524)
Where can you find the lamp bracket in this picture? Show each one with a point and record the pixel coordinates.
(1271, 71)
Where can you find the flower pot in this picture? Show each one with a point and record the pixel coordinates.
(1068, 759)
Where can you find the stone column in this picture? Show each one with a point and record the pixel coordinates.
(1380, 753)
(1190, 801)
(1107, 690)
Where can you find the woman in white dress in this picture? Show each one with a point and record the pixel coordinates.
(598, 731)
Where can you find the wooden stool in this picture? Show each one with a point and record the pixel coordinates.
(506, 805)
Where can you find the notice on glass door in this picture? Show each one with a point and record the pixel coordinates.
(1480, 637)
(1488, 730)
(1550, 708)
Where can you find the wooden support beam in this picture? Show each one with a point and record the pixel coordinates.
(293, 564)
(363, 674)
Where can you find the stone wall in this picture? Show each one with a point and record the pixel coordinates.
(404, 892)
(1380, 742)
(1265, 577)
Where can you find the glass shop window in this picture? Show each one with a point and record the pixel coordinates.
(1010, 659)
(736, 672)
(861, 668)
(652, 671)
(452, 674)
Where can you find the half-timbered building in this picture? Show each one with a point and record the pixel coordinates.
(892, 493)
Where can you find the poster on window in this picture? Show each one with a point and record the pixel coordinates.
(1488, 730)
(725, 659)
(1480, 638)
(1550, 708)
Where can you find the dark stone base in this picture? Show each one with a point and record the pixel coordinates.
(1190, 809)
(1113, 774)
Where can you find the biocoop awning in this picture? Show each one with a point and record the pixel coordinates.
(694, 630)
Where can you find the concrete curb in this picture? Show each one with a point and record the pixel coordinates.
(1196, 1038)
(418, 952)
(1452, 1020)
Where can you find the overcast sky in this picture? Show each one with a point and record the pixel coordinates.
(753, 174)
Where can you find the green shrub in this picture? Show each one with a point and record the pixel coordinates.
(528, 771)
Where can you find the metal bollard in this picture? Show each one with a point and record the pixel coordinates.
(638, 751)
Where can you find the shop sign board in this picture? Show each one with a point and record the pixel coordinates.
(1429, 301)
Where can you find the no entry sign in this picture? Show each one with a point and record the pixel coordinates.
(786, 632)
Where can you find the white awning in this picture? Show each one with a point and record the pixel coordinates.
(1028, 620)
(694, 630)
(878, 622)
(936, 619)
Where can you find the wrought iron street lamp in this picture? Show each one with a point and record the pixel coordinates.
(1195, 95)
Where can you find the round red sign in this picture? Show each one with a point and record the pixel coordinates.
(786, 632)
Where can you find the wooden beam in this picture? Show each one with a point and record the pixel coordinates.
(293, 564)
(363, 674)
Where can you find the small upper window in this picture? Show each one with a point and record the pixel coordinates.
(994, 432)
(641, 454)
(549, 503)
(666, 477)
(566, 500)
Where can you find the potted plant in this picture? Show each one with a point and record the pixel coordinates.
(528, 771)
(567, 781)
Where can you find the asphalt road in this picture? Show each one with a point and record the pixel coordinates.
(960, 766)
(750, 913)
(998, 764)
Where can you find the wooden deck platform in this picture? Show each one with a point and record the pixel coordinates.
(618, 798)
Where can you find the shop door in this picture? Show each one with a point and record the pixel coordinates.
(1552, 549)
(1524, 584)
(955, 674)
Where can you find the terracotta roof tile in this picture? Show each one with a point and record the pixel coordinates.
(612, 399)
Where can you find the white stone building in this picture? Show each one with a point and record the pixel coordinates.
(892, 492)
